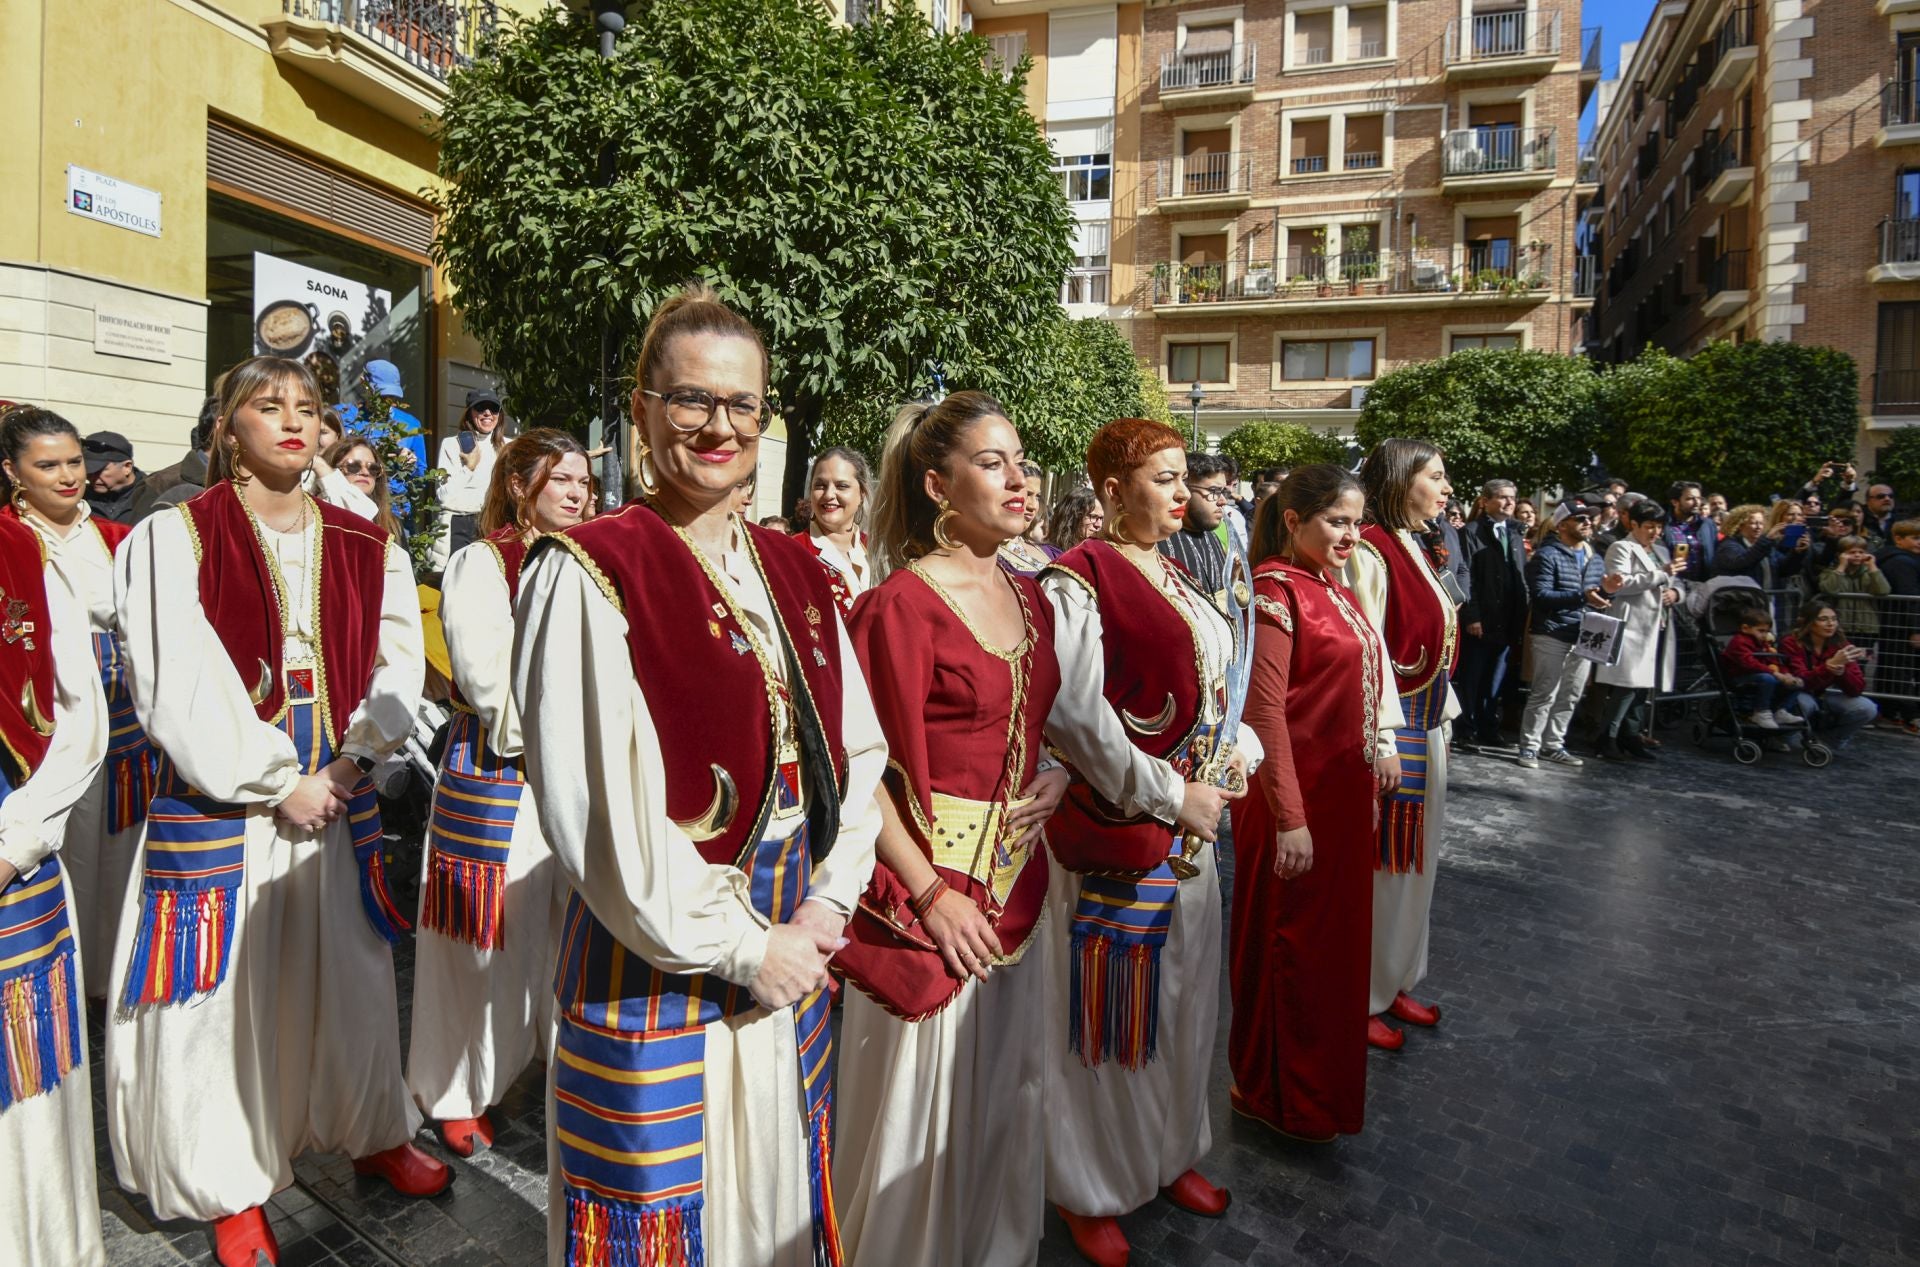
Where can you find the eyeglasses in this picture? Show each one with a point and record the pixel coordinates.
(354, 466)
(689, 409)
(1218, 496)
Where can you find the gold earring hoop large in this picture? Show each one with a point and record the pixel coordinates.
(1112, 530)
(19, 500)
(236, 471)
(644, 473)
(940, 536)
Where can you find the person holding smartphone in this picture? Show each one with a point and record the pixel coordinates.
(1832, 694)
(1855, 581)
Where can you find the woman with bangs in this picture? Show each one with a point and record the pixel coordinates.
(276, 656)
(490, 895)
(352, 477)
(1145, 659)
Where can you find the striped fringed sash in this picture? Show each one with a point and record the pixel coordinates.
(1403, 828)
(629, 1086)
(39, 988)
(369, 853)
(131, 762)
(475, 801)
(1120, 925)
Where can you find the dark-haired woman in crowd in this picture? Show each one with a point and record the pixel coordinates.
(46, 484)
(944, 1045)
(1647, 643)
(53, 736)
(276, 655)
(354, 479)
(1029, 552)
(1145, 658)
(1321, 700)
(704, 755)
(489, 896)
(838, 487)
(1399, 587)
(1075, 517)
(1832, 694)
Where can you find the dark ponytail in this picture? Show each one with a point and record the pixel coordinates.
(20, 426)
(1306, 492)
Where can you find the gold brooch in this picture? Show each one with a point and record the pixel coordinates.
(713, 627)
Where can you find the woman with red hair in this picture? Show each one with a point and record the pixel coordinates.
(1144, 657)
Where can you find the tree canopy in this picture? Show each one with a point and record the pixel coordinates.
(872, 197)
(1269, 442)
(1898, 463)
(1520, 415)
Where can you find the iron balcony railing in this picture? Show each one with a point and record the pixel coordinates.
(1181, 71)
(1591, 55)
(436, 36)
(1728, 272)
(1736, 31)
(1900, 102)
(1495, 36)
(1502, 268)
(1308, 164)
(1896, 392)
(1587, 169)
(1204, 175)
(1586, 276)
(1363, 160)
(1899, 241)
(1487, 151)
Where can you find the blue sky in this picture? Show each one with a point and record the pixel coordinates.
(1619, 20)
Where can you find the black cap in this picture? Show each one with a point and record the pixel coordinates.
(103, 447)
(482, 396)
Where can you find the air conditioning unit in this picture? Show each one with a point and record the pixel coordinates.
(1259, 283)
(1359, 397)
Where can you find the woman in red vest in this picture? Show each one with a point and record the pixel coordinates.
(276, 654)
(489, 895)
(1320, 699)
(1144, 659)
(46, 485)
(53, 736)
(944, 1040)
(1404, 594)
(704, 756)
(837, 489)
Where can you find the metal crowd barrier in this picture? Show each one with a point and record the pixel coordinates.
(1893, 674)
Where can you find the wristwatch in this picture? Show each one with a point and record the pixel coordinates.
(364, 764)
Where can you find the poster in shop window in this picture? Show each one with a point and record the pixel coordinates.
(332, 323)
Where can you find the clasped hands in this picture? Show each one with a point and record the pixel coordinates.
(320, 797)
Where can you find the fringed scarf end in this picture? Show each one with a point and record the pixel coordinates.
(465, 899)
(826, 1224)
(1403, 837)
(182, 945)
(39, 1029)
(602, 1233)
(1114, 1001)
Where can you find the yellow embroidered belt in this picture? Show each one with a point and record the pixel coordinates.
(969, 837)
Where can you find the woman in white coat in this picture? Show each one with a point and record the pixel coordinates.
(1646, 643)
(467, 457)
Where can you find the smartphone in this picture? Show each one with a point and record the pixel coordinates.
(1681, 550)
(1817, 522)
(1791, 537)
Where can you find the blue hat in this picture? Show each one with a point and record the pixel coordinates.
(384, 376)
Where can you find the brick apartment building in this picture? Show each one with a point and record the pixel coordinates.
(1760, 172)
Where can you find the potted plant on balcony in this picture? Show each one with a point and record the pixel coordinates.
(1200, 286)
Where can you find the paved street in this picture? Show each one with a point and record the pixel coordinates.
(1681, 1011)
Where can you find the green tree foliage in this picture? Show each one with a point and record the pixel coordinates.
(1521, 415)
(1268, 442)
(1898, 463)
(407, 485)
(1744, 419)
(873, 198)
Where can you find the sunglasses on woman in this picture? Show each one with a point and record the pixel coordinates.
(354, 466)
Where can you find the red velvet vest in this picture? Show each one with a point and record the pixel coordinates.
(26, 651)
(1421, 633)
(510, 550)
(1152, 682)
(111, 533)
(237, 594)
(694, 661)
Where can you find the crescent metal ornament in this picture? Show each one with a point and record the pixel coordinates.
(1418, 666)
(264, 687)
(30, 705)
(718, 816)
(1150, 725)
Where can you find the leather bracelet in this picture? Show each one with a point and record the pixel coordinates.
(924, 903)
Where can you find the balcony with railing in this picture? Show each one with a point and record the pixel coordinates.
(1590, 53)
(1402, 279)
(1896, 391)
(1586, 276)
(394, 55)
(1511, 42)
(1899, 113)
(1728, 172)
(1727, 291)
(1205, 180)
(1198, 78)
(1898, 250)
(1586, 167)
(1498, 158)
(1734, 48)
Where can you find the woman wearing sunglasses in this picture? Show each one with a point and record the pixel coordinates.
(352, 478)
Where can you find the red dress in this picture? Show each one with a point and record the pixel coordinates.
(1301, 947)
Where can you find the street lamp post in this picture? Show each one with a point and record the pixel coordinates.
(608, 431)
(1196, 395)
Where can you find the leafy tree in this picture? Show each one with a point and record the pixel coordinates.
(1744, 419)
(1269, 442)
(415, 493)
(1898, 463)
(1509, 413)
(873, 198)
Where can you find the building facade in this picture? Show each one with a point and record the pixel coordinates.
(1760, 179)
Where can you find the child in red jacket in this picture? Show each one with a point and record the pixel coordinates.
(1759, 673)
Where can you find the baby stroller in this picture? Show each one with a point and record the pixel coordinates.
(1719, 612)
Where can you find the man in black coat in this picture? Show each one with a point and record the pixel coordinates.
(1494, 619)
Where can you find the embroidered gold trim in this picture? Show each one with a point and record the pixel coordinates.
(1369, 667)
(310, 526)
(940, 592)
(585, 560)
(499, 559)
(193, 533)
(1447, 614)
(1277, 610)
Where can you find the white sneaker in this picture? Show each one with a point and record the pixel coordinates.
(1786, 719)
(1761, 720)
(1560, 756)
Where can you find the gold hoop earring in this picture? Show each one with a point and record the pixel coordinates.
(236, 471)
(940, 536)
(19, 500)
(644, 473)
(1112, 531)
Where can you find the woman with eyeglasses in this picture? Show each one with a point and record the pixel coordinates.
(489, 895)
(704, 756)
(944, 1045)
(1075, 517)
(276, 657)
(1141, 717)
(837, 490)
(352, 477)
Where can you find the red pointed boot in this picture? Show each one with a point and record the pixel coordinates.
(411, 1172)
(1097, 1237)
(466, 1136)
(1192, 1193)
(1406, 1008)
(241, 1240)
(1384, 1036)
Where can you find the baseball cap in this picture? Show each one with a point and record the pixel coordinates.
(384, 376)
(477, 396)
(103, 447)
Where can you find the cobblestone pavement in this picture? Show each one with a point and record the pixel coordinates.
(1681, 1011)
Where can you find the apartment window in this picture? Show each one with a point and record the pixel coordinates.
(1004, 52)
(1666, 216)
(1197, 362)
(1313, 38)
(1306, 253)
(1366, 32)
(942, 17)
(1491, 243)
(1321, 360)
(1906, 194)
(1086, 177)
(1896, 376)
(1087, 282)
(1366, 143)
(1461, 342)
(1310, 146)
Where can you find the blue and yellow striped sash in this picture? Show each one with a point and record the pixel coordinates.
(1403, 828)
(476, 799)
(39, 991)
(130, 757)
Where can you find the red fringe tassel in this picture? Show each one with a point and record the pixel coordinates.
(465, 900)
(1403, 843)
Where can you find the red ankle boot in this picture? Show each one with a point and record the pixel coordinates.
(1097, 1237)
(1384, 1036)
(240, 1239)
(1192, 1193)
(1412, 1011)
(411, 1172)
(466, 1136)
